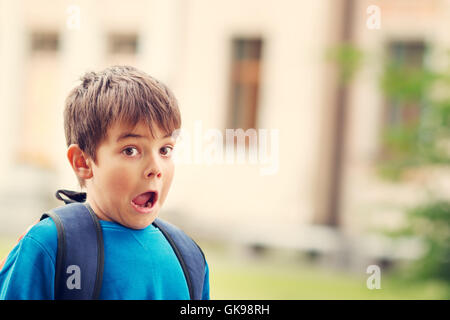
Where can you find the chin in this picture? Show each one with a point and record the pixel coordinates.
(142, 224)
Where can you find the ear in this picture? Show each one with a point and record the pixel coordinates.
(80, 162)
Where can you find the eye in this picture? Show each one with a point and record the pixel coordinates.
(168, 150)
(130, 151)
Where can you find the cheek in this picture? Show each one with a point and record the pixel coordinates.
(169, 173)
(118, 182)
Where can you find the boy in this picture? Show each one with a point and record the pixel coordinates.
(118, 125)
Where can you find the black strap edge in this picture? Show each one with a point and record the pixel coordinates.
(200, 249)
(72, 196)
(60, 255)
(180, 259)
(100, 255)
(204, 261)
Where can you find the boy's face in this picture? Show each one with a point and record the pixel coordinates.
(129, 164)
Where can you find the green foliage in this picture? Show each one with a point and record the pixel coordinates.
(406, 84)
(420, 143)
(348, 59)
(417, 134)
(430, 223)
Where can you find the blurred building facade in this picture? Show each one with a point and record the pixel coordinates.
(231, 64)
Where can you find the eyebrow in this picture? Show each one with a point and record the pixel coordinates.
(128, 135)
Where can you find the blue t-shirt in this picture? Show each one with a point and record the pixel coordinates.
(139, 264)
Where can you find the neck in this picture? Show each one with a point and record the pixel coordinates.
(98, 212)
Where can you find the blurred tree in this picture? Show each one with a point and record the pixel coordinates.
(416, 135)
(416, 131)
(431, 223)
(421, 141)
(348, 60)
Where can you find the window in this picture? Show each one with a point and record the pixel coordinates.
(122, 44)
(406, 55)
(40, 104)
(122, 48)
(44, 42)
(245, 83)
(244, 90)
(404, 96)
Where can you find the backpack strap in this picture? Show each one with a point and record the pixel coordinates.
(189, 254)
(70, 196)
(78, 229)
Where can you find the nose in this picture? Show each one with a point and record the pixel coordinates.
(153, 173)
(153, 169)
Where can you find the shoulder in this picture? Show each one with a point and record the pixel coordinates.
(167, 227)
(29, 270)
(181, 239)
(174, 232)
(45, 235)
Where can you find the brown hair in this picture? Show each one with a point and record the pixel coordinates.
(118, 93)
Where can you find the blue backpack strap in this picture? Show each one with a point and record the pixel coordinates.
(189, 254)
(80, 244)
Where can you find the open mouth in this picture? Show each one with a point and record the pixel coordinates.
(146, 199)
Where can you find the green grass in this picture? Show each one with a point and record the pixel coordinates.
(239, 277)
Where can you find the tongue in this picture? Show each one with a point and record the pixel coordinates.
(142, 199)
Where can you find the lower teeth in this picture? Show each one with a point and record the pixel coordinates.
(147, 205)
